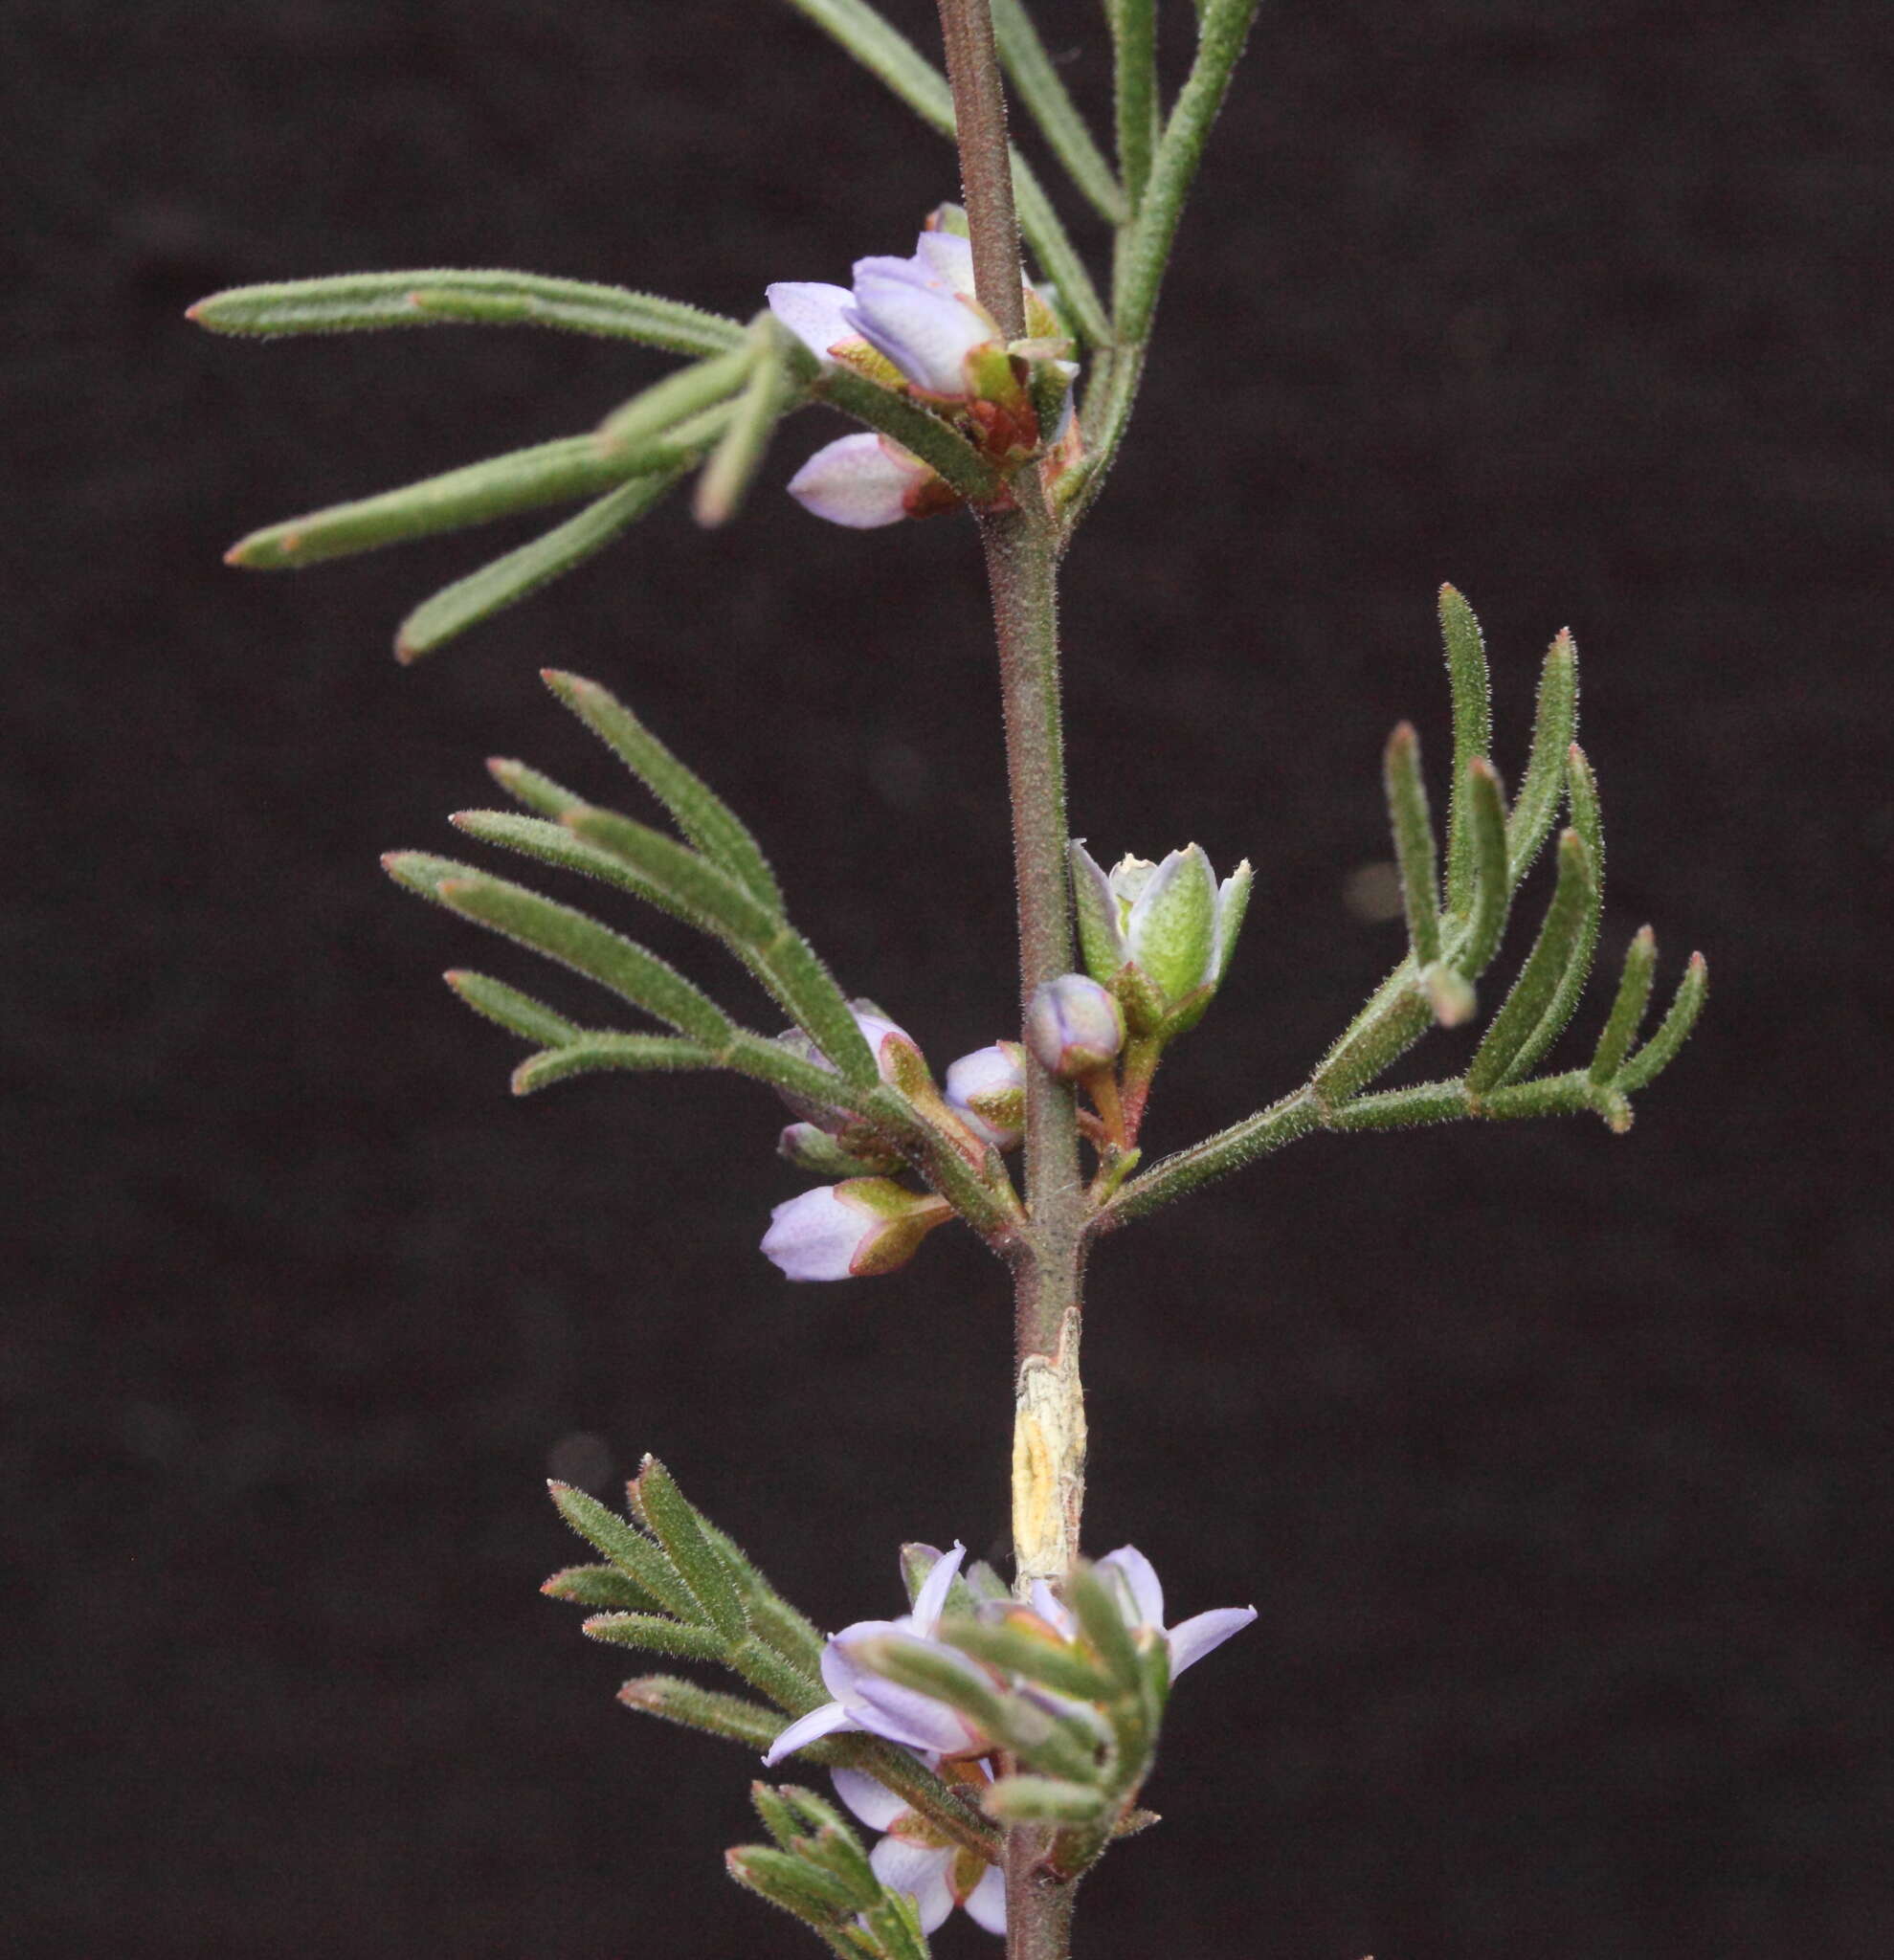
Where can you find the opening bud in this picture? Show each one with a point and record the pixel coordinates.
(850, 1231)
(987, 1090)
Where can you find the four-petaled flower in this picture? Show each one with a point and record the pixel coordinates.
(1142, 1595)
(917, 1859)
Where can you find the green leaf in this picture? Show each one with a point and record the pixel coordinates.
(1040, 88)
(1582, 790)
(519, 1014)
(703, 818)
(732, 1716)
(948, 454)
(625, 1545)
(1100, 1616)
(362, 302)
(800, 1888)
(1413, 842)
(680, 1532)
(556, 844)
(1392, 1021)
(656, 1634)
(1538, 983)
(1048, 1663)
(1295, 1115)
(1628, 1005)
(1658, 1053)
(521, 574)
(1473, 739)
(1554, 724)
(1043, 1800)
(778, 1819)
(681, 394)
(560, 472)
(596, 1054)
(724, 480)
(1134, 53)
(569, 937)
(601, 1586)
(1484, 804)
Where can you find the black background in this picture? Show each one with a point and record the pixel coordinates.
(1551, 1459)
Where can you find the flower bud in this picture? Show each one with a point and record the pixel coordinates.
(1074, 1027)
(898, 1060)
(849, 1154)
(1159, 935)
(987, 1090)
(850, 1231)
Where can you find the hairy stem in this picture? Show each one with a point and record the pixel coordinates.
(1021, 546)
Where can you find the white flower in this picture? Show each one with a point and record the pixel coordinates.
(915, 1858)
(1141, 1597)
(862, 481)
(867, 1703)
(854, 1229)
(987, 1090)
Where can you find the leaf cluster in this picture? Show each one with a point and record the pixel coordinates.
(713, 876)
(1456, 927)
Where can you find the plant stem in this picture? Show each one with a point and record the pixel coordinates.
(1021, 546)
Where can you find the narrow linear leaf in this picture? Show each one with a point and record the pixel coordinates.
(732, 1716)
(1627, 1014)
(787, 1684)
(1472, 689)
(364, 301)
(627, 1547)
(799, 1887)
(560, 472)
(793, 1634)
(1102, 1620)
(768, 1061)
(1134, 67)
(555, 843)
(1049, 1664)
(1582, 793)
(601, 1586)
(1040, 88)
(597, 1053)
(703, 818)
(655, 1634)
(1043, 1800)
(1403, 1109)
(1413, 843)
(724, 480)
(519, 1014)
(680, 1532)
(662, 406)
(1400, 1014)
(1538, 982)
(569, 937)
(1483, 801)
(1295, 1115)
(539, 794)
(1563, 1095)
(1658, 1053)
(778, 1819)
(521, 574)
(1554, 724)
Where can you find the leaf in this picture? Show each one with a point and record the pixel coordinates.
(601, 1586)
(1484, 804)
(596, 1054)
(1554, 724)
(1628, 1005)
(1658, 1053)
(569, 937)
(521, 574)
(1134, 66)
(1473, 738)
(1043, 1800)
(1048, 1663)
(1043, 94)
(1538, 980)
(556, 844)
(625, 1545)
(680, 1532)
(683, 1702)
(655, 1634)
(1413, 843)
(703, 818)
(362, 301)
(724, 480)
(681, 394)
(946, 453)
(519, 1014)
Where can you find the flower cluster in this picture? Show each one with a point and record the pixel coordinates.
(914, 325)
(915, 1856)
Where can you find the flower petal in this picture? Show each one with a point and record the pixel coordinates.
(858, 481)
(925, 328)
(874, 1803)
(826, 1720)
(986, 1903)
(912, 1868)
(948, 258)
(812, 312)
(840, 1675)
(1191, 1640)
(906, 1716)
(1140, 1581)
(933, 1595)
(1053, 1610)
(816, 1235)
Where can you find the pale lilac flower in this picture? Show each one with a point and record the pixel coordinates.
(870, 1705)
(1172, 921)
(898, 1058)
(855, 1230)
(1074, 1027)
(1141, 1596)
(913, 1858)
(987, 1090)
(862, 481)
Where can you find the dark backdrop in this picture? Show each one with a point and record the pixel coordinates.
(1549, 1458)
